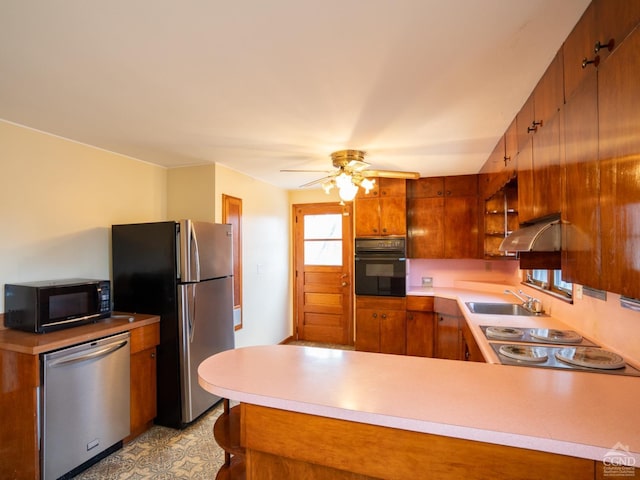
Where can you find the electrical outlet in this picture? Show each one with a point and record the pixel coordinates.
(578, 291)
(427, 282)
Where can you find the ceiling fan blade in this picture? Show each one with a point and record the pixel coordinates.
(315, 182)
(303, 171)
(389, 174)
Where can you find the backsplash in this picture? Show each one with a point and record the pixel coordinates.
(446, 272)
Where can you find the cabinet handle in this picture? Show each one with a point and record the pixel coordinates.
(384, 230)
(448, 193)
(153, 354)
(375, 315)
(344, 284)
(599, 46)
(595, 62)
(384, 315)
(534, 126)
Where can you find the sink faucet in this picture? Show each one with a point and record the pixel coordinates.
(530, 303)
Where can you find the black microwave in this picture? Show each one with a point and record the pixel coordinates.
(45, 306)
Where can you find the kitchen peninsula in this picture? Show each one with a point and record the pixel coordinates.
(345, 414)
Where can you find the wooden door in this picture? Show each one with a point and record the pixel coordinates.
(581, 256)
(323, 258)
(460, 225)
(426, 227)
(619, 148)
(420, 333)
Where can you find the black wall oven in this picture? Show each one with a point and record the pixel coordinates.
(381, 268)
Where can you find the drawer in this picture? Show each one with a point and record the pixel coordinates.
(381, 303)
(420, 303)
(446, 306)
(145, 337)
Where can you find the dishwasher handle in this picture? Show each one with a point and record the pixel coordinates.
(103, 352)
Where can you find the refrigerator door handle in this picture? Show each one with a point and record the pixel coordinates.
(189, 253)
(196, 252)
(192, 316)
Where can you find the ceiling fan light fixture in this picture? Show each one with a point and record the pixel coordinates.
(347, 191)
(328, 186)
(367, 184)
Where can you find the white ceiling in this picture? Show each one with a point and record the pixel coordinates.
(264, 85)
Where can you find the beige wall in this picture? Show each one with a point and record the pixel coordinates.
(267, 302)
(191, 193)
(58, 200)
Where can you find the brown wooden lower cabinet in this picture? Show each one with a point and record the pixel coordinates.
(381, 324)
(448, 338)
(143, 378)
(420, 327)
(282, 444)
(18, 405)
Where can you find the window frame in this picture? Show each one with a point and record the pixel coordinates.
(550, 287)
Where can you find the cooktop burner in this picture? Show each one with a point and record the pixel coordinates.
(584, 359)
(525, 353)
(591, 358)
(535, 335)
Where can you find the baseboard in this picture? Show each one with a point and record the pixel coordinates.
(287, 340)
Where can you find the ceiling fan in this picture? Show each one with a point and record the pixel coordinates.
(351, 173)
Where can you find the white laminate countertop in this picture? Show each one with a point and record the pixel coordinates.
(571, 413)
(566, 412)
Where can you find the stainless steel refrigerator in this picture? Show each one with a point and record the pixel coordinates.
(181, 271)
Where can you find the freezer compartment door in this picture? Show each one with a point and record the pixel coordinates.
(206, 328)
(205, 251)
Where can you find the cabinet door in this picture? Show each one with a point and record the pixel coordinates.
(460, 223)
(547, 172)
(392, 187)
(581, 261)
(470, 350)
(525, 182)
(447, 336)
(143, 390)
(577, 47)
(619, 145)
(426, 227)
(524, 123)
(425, 187)
(393, 215)
(367, 330)
(367, 216)
(420, 333)
(461, 185)
(393, 331)
(614, 21)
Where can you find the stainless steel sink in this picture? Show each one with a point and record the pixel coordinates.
(499, 309)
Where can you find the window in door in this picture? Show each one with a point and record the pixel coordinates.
(323, 239)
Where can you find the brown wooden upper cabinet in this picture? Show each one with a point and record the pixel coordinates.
(501, 164)
(443, 217)
(538, 128)
(581, 255)
(619, 154)
(382, 211)
(602, 27)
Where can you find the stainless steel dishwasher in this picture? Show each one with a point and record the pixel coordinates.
(85, 403)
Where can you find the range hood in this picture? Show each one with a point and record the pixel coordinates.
(542, 236)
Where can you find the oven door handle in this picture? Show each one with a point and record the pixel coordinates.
(379, 257)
